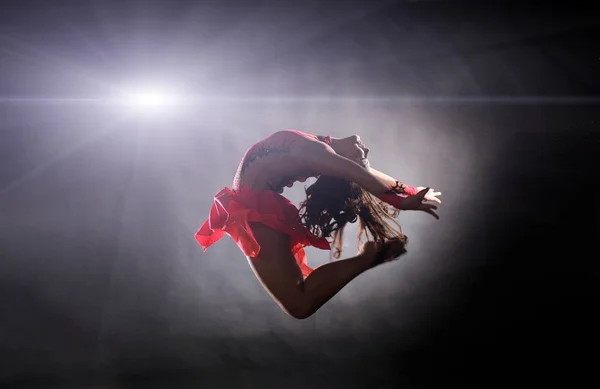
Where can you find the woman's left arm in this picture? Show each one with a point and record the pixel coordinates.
(403, 188)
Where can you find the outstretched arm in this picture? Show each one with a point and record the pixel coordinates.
(322, 159)
(392, 182)
(403, 188)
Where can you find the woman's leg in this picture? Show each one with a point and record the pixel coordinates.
(278, 272)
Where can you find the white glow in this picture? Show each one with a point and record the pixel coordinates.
(150, 101)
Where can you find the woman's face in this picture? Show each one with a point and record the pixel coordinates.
(352, 148)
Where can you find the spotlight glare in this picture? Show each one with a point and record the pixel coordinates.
(150, 101)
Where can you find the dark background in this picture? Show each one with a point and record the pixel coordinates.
(103, 286)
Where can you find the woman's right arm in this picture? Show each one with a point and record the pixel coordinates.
(322, 159)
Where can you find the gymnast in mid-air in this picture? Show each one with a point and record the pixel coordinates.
(272, 232)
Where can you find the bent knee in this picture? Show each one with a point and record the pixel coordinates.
(299, 312)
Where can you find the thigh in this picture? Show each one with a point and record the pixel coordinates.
(275, 266)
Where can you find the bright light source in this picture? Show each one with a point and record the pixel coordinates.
(149, 101)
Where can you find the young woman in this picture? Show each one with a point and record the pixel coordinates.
(272, 232)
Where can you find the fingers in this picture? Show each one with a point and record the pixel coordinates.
(432, 196)
(434, 199)
(430, 209)
(432, 213)
(423, 193)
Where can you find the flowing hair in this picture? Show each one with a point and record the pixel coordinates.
(331, 203)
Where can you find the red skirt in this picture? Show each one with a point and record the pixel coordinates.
(232, 211)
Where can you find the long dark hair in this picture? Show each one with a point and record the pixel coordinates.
(331, 203)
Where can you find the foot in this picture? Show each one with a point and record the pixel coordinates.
(377, 253)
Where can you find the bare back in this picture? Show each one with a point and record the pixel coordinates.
(273, 163)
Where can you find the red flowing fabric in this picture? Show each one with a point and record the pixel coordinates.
(233, 210)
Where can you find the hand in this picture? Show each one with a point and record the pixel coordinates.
(376, 253)
(417, 202)
(431, 195)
